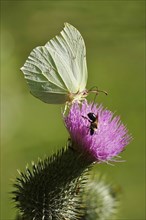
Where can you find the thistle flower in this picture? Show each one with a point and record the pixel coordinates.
(100, 135)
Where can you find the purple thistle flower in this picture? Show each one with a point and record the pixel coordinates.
(103, 143)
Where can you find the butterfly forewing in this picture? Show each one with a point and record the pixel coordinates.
(77, 49)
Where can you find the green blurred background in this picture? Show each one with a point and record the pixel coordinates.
(114, 35)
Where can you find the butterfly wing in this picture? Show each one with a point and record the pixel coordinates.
(57, 69)
(77, 45)
(69, 52)
(42, 77)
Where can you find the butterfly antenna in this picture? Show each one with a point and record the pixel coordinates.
(103, 91)
(94, 100)
(95, 89)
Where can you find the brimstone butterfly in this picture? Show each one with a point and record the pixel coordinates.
(57, 72)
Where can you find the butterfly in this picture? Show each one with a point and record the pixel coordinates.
(57, 72)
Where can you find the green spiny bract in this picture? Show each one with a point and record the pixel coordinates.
(52, 188)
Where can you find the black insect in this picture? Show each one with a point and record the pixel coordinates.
(93, 119)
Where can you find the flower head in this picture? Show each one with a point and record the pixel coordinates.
(95, 131)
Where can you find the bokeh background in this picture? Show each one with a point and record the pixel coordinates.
(114, 35)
